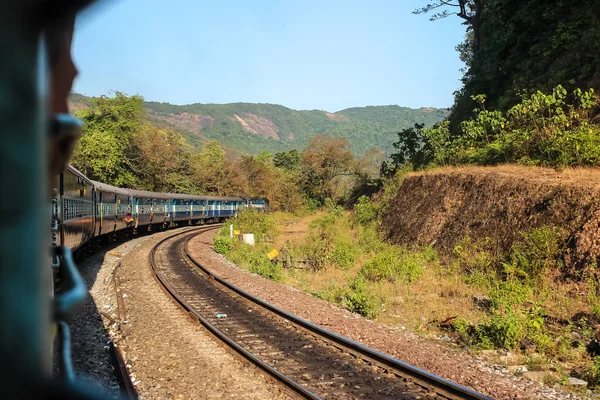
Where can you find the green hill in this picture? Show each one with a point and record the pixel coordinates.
(252, 128)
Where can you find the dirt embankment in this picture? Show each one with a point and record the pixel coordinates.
(440, 207)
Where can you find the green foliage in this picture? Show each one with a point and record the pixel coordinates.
(344, 253)
(364, 211)
(288, 160)
(365, 128)
(222, 245)
(256, 261)
(261, 224)
(392, 265)
(312, 204)
(361, 301)
(543, 129)
(334, 293)
(119, 147)
(540, 251)
(511, 322)
(413, 147)
(105, 149)
(473, 256)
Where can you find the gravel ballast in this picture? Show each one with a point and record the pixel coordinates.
(167, 354)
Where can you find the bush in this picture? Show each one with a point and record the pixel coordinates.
(360, 301)
(541, 249)
(222, 245)
(261, 224)
(551, 129)
(312, 204)
(364, 211)
(392, 265)
(256, 261)
(472, 256)
(344, 253)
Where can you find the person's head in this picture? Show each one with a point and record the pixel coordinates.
(64, 129)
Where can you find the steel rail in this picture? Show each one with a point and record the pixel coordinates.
(285, 380)
(416, 373)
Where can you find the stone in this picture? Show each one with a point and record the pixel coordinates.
(517, 369)
(482, 302)
(577, 382)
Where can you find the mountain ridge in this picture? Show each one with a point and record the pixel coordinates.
(255, 127)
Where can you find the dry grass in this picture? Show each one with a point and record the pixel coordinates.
(293, 229)
(571, 176)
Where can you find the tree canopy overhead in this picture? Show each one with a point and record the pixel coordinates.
(516, 47)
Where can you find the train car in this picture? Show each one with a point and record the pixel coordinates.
(75, 208)
(182, 212)
(258, 203)
(221, 207)
(114, 209)
(150, 209)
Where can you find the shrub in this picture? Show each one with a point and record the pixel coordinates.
(551, 129)
(344, 253)
(334, 293)
(541, 249)
(312, 204)
(364, 211)
(256, 261)
(392, 265)
(222, 245)
(474, 256)
(261, 224)
(362, 302)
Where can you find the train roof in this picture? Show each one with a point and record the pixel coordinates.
(103, 187)
(78, 174)
(222, 198)
(149, 195)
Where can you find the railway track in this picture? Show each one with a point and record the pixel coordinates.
(310, 361)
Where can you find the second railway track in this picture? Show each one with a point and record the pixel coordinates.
(309, 360)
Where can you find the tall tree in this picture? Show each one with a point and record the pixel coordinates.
(210, 173)
(106, 147)
(323, 160)
(288, 160)
(163, 162)
(470, 11)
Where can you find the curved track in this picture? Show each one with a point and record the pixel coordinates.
(309, 360)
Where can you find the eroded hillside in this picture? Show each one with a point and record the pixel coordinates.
(498, 204)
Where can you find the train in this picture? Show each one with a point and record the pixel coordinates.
(84, 209)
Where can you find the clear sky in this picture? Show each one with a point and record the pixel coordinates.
(303, 54)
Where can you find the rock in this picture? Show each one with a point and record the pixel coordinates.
(537, 376)
(577, 382)
(489, 353)
(517, 369)
(593, 348)
(482, 302)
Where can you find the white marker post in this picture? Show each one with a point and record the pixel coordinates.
(231, 230)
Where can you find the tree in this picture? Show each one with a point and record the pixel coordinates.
(471, 11)
(106, 147)
(323, 160)
(413, 148)
(210, 173)
(163, 162)
(288, 160)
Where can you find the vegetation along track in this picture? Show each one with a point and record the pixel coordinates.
(309, 360)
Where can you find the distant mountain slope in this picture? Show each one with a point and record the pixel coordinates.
(252, 128)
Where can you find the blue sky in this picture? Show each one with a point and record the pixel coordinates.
(327, 54)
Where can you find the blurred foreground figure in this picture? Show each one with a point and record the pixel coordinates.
(36, 138)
